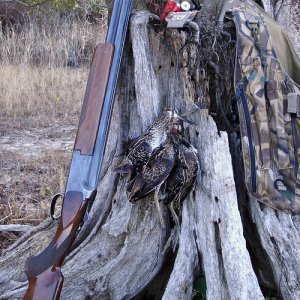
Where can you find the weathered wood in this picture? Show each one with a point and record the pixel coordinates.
(226, 261)
(180, 284)
(280, 237)
(15, 228)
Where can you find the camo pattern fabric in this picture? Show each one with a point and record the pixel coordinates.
(270, 135)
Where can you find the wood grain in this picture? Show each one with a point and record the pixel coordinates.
(93, 99)
(43, 271)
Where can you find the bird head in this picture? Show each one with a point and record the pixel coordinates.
(176, 126)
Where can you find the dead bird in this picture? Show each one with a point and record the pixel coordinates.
(182, 178)
(155, 136)
(153, 175)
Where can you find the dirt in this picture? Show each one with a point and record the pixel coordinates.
(34, 164)
(33, 142)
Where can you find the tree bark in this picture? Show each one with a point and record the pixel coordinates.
(123, 251)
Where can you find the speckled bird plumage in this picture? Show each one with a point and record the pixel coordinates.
(183, 176)
(151, 163)
(154, 173)
(145, 145)
(153, 138)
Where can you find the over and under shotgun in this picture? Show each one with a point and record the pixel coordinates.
(43, 271)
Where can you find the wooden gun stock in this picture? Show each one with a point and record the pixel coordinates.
(47, 286)
(93, 99)
(43, 270)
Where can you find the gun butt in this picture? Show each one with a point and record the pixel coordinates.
(43, 271)
(46, 286)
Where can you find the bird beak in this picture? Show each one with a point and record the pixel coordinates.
(190, 112)
(185, 120)
(183, 116)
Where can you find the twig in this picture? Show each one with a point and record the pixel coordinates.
(10, 213)
(20, 193)
(15, 227)
(213, 48)
(47, 223)
(25, 4)
(28, 220)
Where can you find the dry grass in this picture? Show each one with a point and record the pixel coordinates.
(25, 197)
(39, 92)
(37, 87)
(40, 96)
(30, 183)
(50, 41)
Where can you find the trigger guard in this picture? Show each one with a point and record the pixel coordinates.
(52, 207)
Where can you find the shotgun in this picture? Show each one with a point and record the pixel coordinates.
(44, 270)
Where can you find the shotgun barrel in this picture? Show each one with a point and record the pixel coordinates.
(44, 270)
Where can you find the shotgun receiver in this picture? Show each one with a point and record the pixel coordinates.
(43, 271)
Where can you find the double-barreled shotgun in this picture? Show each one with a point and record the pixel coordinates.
(43, 271)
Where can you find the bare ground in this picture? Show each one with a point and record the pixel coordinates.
(36, 140)
(33, 167)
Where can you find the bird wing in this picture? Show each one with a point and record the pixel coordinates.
(174, 183)
(182, 179)
(191, 161)
(140, 154)
(134, 187)
(156, 175)
(124, 167)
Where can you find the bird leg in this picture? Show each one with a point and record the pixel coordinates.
(174, 215)
(156, 201)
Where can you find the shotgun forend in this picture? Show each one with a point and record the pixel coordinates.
(43, 271)
(93, 99)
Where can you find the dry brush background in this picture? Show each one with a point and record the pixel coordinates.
(44, 64)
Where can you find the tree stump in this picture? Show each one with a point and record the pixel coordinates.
(123, 252)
